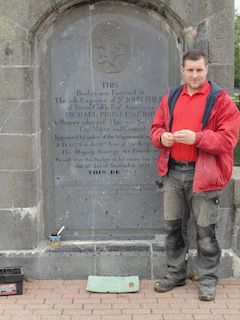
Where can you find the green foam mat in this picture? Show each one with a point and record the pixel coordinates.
(113, 284)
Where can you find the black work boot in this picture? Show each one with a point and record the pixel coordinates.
(207, 291)
(168, 283)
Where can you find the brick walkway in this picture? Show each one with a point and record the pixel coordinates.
(68, 300)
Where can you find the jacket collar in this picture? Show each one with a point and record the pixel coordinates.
(205, 88)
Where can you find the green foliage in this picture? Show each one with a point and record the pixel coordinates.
(237, 52)
(237, 154)
(236, 99)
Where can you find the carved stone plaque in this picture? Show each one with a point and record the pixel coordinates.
(109, 65)
(111, 47)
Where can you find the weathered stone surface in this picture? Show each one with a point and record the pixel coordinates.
(6, 199)
(16, 83)
(123, 248)
(236, 232)
(21, 224)
(224, 229)
(195, 13)
(18, 189)
(226, 269)
(66, 247)
(123, 260)
(124, 264)
(25, 13)
(158, 247)
(217, 52)
(226, 199)
(16, 117)
(16, 152)
(237, 249)
(159, 265)
(75, 263)
(36, 151)
(15, 52)
(66, 266)
(52, 265)
(200, 40)
(9, 29)
(236, 187)
(24, 189)
(219, 27)
(222, 73)
(236, 193)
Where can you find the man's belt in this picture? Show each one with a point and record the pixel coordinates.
(185, 164)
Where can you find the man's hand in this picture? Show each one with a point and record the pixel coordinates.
(185, 136)
(167, 139)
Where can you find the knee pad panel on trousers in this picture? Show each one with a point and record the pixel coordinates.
(174, 238)
(207, 241)
(171, 226)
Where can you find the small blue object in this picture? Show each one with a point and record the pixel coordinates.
(113, 284)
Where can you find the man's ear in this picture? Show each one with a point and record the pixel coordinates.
(182, 69)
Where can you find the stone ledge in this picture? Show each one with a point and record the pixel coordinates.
(79, 259)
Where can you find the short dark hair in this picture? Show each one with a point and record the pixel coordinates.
(194, 55)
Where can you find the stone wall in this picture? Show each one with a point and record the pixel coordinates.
(24, 197)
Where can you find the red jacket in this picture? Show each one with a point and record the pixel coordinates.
(215, 143)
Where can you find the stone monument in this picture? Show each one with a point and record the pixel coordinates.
(105, 69)
(80, 82)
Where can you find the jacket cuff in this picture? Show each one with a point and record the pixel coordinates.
(198, 137)
(162, 146)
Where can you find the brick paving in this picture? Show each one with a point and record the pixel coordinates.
(68, 300)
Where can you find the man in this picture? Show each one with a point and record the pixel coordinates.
(196, 127)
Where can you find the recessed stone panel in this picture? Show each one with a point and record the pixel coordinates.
(109, 66)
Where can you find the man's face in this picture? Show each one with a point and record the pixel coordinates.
(195, 74)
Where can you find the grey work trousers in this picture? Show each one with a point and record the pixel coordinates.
(178, 202)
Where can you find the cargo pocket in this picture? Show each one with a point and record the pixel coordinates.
(206, 205)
